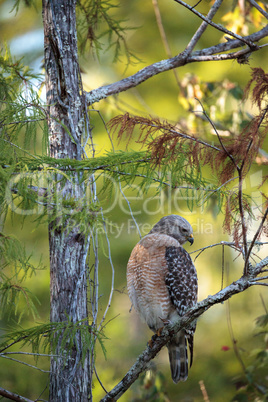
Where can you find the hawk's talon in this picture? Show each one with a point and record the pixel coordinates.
(152, 340)
(159, 331)
(165, 322)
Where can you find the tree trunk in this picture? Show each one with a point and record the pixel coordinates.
(69, 379)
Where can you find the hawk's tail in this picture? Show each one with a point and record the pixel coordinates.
(178, 357)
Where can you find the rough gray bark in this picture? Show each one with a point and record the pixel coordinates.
(68, 249)
(69, 380)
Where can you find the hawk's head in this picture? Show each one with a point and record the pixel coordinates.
(175, 226)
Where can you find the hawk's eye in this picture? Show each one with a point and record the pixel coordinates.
(184, 230)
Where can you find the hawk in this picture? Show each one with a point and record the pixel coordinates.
(162, 285)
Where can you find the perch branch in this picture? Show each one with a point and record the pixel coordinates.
(149, 353)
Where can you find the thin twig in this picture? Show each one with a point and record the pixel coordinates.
(196, 4)
(259, 267)
(225, 243)
(98, 378)
(222, 266)
(164, 38)
(26, 364)
(113, 273)
(13, 343)
(29, 353)
(14, 397)
(242, 217)
(217, 133)
(119, 182)
(130, 209)
(94, 295)
(258, 283)
(197, 35)
(261, 278)
(218, 188)
(204, 391)
(21, 121)
(256, 235)
(251, 141)
(21, 149)
(238, 55)
(217, 26)
(259, 8)
(234, 341)
(246, 156)
(41, 393)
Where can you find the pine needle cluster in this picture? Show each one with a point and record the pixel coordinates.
(98, 30)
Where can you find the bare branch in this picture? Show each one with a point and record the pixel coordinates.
(195, 38)
(164, 37)
(218, 188)
(223, 56)
(259, 8)
(14, 397)
(242, 216)
(21, 122)
(217, 26)
(226, 243)
(165, 65)
(260, 265)
(256, 236)
(234, 341)
(21, 149)
(29, 354)
(217, 134)
(26, 364)
(113, 272)
(222, 243)
(259, 283)
(261, 278)
(98, 378)
(134, 80)
(232, 44)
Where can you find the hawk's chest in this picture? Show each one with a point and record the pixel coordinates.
(146, 272)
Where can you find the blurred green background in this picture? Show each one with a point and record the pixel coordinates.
(215, 364)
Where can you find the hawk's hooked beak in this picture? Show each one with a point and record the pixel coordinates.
(190, 239)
